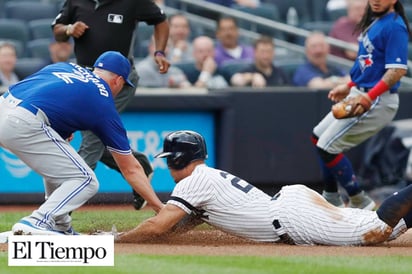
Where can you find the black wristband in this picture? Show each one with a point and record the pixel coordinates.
(159, 52)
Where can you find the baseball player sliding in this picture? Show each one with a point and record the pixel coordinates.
(38, 114)
(370, 100)
(295, 215)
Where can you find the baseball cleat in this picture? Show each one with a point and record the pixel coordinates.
(333, 198)
(362, 201)
(24, 227)
(69, 231)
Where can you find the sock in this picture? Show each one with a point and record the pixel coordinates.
(397, 206)
(341, 167)
(330, 184)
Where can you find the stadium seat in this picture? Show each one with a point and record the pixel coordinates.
(266, 10)
(15, 30)
(39, 48)
(29, 10)
(142, 36)
(302, 8)
(318, 10)
(334, 15)
(28, 66)
(40, 28)
(290, 66)
(229, 68)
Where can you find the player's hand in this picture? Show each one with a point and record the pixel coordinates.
(339, 93)
(162, 63)
(77, 29)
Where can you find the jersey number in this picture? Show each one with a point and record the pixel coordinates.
(237, 182)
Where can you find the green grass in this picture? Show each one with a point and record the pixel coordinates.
(86, 221)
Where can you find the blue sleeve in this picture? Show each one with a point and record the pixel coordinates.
(396, 56)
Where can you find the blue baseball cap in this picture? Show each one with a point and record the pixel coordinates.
(115, 62)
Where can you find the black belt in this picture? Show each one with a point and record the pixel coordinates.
(283, 238)
(367, 89)
(24, 105)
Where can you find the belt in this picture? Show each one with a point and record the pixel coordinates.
(25, 105)
(367, 89)
(284, 237)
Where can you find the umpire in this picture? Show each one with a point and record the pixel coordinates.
(99, 26)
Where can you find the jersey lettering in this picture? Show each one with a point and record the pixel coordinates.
(83, 75)
(237, 182)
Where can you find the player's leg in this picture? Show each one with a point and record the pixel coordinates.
(341, 135)
(43, 150)
(309, 219)
(330, 191)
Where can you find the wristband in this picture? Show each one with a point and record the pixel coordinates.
(378, 89)
(351, 84)
(159, 53)
(69, 29)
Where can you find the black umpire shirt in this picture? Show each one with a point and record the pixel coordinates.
(111, 24)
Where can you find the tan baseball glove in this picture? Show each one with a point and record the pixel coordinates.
(351, 106)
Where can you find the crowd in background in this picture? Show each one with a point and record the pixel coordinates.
(224, 58)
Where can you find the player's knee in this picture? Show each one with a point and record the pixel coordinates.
(314, 138)
(326, 156)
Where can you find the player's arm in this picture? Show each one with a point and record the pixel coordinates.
(158, 225)
(390, 78)
(134, 174)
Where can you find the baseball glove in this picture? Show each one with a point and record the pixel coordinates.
(351, 106)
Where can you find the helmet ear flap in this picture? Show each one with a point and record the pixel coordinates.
(177, 160)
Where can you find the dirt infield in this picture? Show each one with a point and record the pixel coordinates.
(214, 242)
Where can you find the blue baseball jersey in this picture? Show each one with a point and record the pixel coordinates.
(74, 98)
(383, 46)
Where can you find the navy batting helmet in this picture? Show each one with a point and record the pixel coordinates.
(183, 147)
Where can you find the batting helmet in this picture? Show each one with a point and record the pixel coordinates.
(183, 147)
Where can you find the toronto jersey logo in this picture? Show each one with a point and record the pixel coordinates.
(365, 61)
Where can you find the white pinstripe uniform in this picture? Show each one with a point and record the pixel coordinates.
(234, 206)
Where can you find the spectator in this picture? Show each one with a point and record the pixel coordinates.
(228, 47)
(204, 72)
(316, 72)
(180, 46)
(60, 51)
(262, 72)
(149, 76)
(344, 28)
(111, 26)
(8, 59)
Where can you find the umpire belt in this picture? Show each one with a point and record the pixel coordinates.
(367, 89)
